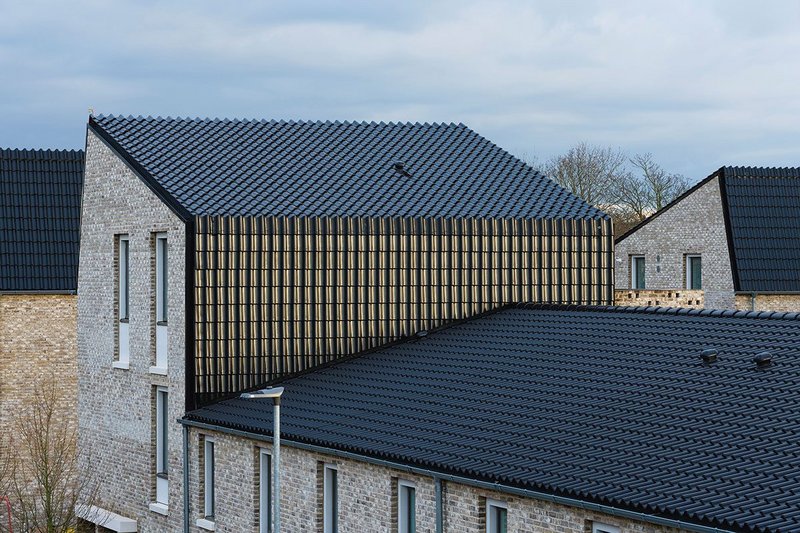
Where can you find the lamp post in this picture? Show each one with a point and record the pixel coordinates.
(274, 393)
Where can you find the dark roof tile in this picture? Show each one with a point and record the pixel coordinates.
(608, 405)
(40, 200)
(764, 216)
(279, 168)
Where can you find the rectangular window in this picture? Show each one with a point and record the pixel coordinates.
(496, 517)
(330, 497)
(162, 300)
(162, 449)
(598, 527)
(637, 272)
(406, 507)
(264, 492)
(123, 299)
(208, 478)
(694, 272)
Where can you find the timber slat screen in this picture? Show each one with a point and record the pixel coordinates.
(275, 296)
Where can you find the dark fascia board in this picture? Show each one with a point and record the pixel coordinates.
(139, 170)
(717, 173)
(723, 191)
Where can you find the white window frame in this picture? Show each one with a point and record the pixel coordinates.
(599, 527)
(264, 491)
(162, 303)
(406, 523)
(123, 302)
(330, 499)
(688, 268)
(208, 479)
(634, 273)
(162, 445)
(491, 522)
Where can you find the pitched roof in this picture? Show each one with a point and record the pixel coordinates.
(762, 222)
(763, 215)
(607, 405)
(40, 202)
(279, 168)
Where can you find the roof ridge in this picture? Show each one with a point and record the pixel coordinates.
(42, 150)
(726, 313)
(238, 120)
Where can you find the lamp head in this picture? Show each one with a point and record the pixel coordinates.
(273, 392)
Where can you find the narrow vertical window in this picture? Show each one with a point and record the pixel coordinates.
(330, 516)
(162, 300)
(162, 448)
(694, 272)
(637, 272)
(406, 507)
(123, 300)
(208, 479)
(264, 492)
(496, 517)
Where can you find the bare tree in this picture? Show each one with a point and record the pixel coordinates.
(48, 481)
(590, 172)
(648, 190)
(628, 189)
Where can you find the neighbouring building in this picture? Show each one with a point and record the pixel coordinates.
(562, 419)
(40, 198)
(218, 255)
(730, 242)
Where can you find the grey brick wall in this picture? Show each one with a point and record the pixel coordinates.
(115, 406)
(693, 226)
(366, 497)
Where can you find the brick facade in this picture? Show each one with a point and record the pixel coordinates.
(695, 225)
(366, 494)
(659, 298)
(37, 347)
(116, 406)
(769, 302)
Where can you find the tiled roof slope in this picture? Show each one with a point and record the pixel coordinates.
(40, 202)
(279, 168)
(606, 405)
(764, 224)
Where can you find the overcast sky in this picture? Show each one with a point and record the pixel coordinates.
(699, 84)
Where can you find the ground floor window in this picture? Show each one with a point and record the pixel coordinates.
(496, 517)
(694, 272)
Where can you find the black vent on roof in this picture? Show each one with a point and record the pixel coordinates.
(709, 355)
(401, 168)
(763, 359)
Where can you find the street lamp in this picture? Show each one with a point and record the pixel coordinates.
(274, 393)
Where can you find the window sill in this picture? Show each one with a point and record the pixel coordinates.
(205, 523)
(159, 508)
(122, 365)
(160, 370)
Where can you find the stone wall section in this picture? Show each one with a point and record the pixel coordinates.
(695, 225)
(769, 302)
(38, 348)
(116, 405)
(366, 496)
(662, 298)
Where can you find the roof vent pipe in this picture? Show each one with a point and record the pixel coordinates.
(401, 168)
(709, 355)
(763, 359)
